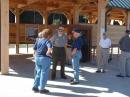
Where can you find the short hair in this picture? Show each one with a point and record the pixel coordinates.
(61, 28)
(45, 33)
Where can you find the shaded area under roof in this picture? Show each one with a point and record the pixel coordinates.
(125, 4)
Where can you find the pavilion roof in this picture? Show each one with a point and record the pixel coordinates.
(119, 4)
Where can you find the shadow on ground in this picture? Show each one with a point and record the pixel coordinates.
(22, 65)
(91, 85)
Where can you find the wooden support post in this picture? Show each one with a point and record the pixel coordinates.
(128, 20)
(17, 32)
(70, 20)
(4, 4)
(46, 19)
(90, 18)
(0, 38)
(76, 12)
(101, 24)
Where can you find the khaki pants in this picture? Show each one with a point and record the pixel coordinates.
(103, 59)
(124, 65)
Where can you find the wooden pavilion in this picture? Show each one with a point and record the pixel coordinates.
(99, 13)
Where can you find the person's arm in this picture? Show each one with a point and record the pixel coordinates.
(74, 52)
(66, 41)
(110, 43)
(53, 39)
(66, 44)
(77, 46)
(100, 43)
(34, 53)
(120, 41)
(35, 48)
(49, 50)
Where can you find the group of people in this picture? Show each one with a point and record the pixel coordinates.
(52, 47)
(124, 59)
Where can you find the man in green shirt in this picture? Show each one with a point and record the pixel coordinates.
(59, 41)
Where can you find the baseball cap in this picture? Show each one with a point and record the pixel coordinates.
(76, 30)
(127, 31)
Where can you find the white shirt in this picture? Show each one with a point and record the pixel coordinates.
(105, 43)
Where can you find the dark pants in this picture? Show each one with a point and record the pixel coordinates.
(59, 55)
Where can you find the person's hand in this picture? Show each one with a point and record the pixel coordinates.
(72, 55)
(34, 54)
(73, 52)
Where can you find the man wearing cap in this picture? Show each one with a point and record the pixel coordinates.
(124, 44)
(76, 55)
(105, 44)
(59, 41)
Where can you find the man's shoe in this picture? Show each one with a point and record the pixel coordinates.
(98, 71)
(44, 91)
(120, 76)
(74, 83)
(63, 77)
(72, 80)
(35, 89)
(103, 71)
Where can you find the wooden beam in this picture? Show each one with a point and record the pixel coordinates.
(17, 32)
(68, 1)
(128, 20)
(18, 1)
(32, 1)
(76, 12)
(4, 36)
(101, 24)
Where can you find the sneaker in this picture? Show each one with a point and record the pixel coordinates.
(74, 83)
(44, 91)
(98, 71)
(120, 76)
(35, 89)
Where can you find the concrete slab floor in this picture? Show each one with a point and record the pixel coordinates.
(20, 79)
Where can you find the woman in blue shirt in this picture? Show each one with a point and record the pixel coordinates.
(43, 50)
(76, 55)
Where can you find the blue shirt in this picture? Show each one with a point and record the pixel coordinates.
(41, 46)
(78, 43)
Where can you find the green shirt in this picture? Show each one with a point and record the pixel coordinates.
(59, 41)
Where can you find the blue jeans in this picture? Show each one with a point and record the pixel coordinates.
(42, 66)
(75, 64)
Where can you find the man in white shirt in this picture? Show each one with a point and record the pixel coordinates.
(105, 44)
